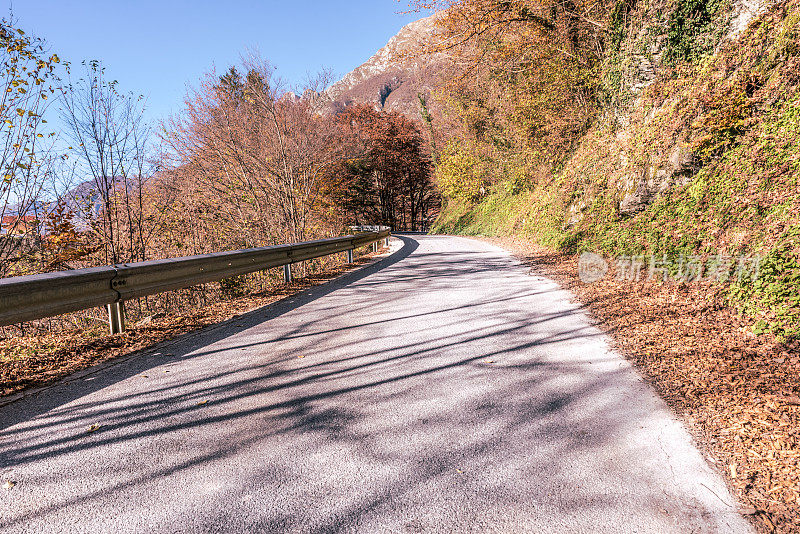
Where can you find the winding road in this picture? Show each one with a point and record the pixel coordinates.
(443, 388)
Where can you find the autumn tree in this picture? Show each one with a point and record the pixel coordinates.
(390, 182)
(63, 245)
(262, 155)
(111, 146)
(29, 79)
(524, 75)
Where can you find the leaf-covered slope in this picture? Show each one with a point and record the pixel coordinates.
(699, 157)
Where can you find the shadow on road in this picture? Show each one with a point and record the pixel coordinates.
(448, 405)
(176, 349)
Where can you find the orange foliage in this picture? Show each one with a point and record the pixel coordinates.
(528, 80)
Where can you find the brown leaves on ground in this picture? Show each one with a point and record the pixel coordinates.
(37, 360)
(739, 391)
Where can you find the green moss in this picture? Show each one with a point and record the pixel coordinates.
(617, 24)
(774, 296)
(694, 28)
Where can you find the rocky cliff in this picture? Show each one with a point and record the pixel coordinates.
(392, 78)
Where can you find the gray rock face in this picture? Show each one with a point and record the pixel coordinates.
(391, 79)
(654, 180)
(636, 201)
(743, 12)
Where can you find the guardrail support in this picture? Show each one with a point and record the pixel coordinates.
(375, 247)
(350, 256)
(387, 242)
(116, 317)
(287, 273)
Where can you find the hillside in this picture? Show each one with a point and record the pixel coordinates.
(670, 148)
(682, 158)
(392, 78)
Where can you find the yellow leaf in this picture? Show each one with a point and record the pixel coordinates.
(8, 484)
(93, 428)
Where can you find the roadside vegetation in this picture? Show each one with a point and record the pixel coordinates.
(246, 163)
(666, 136)
(635, 130)
(88, 181)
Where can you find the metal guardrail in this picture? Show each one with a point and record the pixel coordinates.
(26, 298)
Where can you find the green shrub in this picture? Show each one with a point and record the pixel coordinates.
(235, 286)
(460, 173)
(775, 294)
(693, 29)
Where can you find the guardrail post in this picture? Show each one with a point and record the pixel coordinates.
(116, 317)
(387, 242)
(375, 247)
(350, 255)
(287, 273)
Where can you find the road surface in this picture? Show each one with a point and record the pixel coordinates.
(442, 389)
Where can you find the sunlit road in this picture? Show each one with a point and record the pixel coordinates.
(442, 389)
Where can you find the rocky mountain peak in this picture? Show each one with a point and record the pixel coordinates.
(391, 79)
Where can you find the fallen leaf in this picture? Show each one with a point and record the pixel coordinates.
(8, 484)
(93, 428)
(792, 400)
(301, 356)
(202, 403)
(733, 470)
(488, 361)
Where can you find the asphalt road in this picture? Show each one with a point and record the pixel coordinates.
(442, 389)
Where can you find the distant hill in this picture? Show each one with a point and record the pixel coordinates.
(391, 79)
(37, 208)
(84, 200)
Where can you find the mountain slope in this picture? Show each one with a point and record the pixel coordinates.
(697, 158)
(391, 79)
(684, 191)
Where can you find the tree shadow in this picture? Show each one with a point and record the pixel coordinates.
(458, 417)
(176, 349)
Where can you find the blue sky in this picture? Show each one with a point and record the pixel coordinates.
(156, 48)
